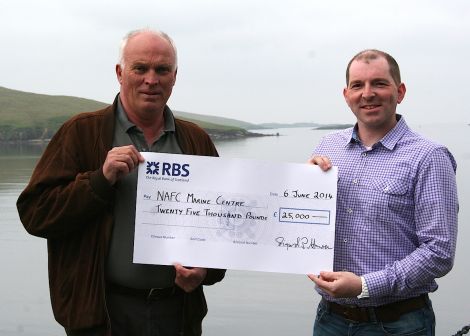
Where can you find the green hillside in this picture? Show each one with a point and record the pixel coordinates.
(28, 116)
(25, 115)
(216, 120)
(28, 109)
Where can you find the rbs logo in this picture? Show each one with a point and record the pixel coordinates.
(168, 169)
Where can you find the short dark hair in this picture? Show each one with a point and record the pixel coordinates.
(371, 54)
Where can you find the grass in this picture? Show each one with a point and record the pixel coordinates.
(28, 116)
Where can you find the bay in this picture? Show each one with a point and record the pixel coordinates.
(246, 303)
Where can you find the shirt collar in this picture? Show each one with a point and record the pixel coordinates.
(390, 139)
(169, 119)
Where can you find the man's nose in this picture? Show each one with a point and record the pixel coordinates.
(368, 91)
(152, 78)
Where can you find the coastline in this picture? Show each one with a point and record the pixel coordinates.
(219, 135)
(215, 135)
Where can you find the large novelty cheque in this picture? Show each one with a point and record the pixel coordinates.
(234, 214)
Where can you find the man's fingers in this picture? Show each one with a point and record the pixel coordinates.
(189, 278)
(312, 277)
(329, 276)
(120, 161)
(128, 154)
(322, 161)
(180, 270)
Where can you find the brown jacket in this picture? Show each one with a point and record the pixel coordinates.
(69, 202)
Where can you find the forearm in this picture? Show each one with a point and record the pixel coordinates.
(58, 206)
(414, 272)
(67, 188)
(436, 208)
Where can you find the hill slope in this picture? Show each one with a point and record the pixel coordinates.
(28, 116)
(216, 120)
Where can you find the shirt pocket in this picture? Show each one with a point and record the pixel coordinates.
(388, 199)
(394, 187)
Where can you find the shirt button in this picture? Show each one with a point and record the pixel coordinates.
(364, 154)
(349, 210)
(355, 181)
(345, 240)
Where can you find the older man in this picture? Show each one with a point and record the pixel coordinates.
(81, 197)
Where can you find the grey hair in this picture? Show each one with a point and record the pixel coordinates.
(136, 32)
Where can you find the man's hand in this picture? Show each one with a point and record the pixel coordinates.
(322, 161)
(120, 161)
(189, 278)
(338, 284)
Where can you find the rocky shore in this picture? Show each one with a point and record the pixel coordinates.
(215, 134)
(219, 135)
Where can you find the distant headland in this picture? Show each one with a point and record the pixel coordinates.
(31, 117)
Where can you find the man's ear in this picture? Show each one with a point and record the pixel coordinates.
(119, 73)
(401, 92)
(345, 95)
(174, 76)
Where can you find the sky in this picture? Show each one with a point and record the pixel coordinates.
(252, 60)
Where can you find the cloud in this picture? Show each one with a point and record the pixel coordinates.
(253, 60)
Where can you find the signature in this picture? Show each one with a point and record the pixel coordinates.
(302, 243)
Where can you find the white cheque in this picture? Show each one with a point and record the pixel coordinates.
(235, 214)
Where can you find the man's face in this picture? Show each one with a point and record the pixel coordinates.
(148, 75)
(372, 94)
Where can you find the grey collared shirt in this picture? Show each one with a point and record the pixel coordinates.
(119, 268)
(126, 133)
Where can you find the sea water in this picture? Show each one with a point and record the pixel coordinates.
(247, 303)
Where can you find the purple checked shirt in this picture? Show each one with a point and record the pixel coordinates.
(396, 218)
